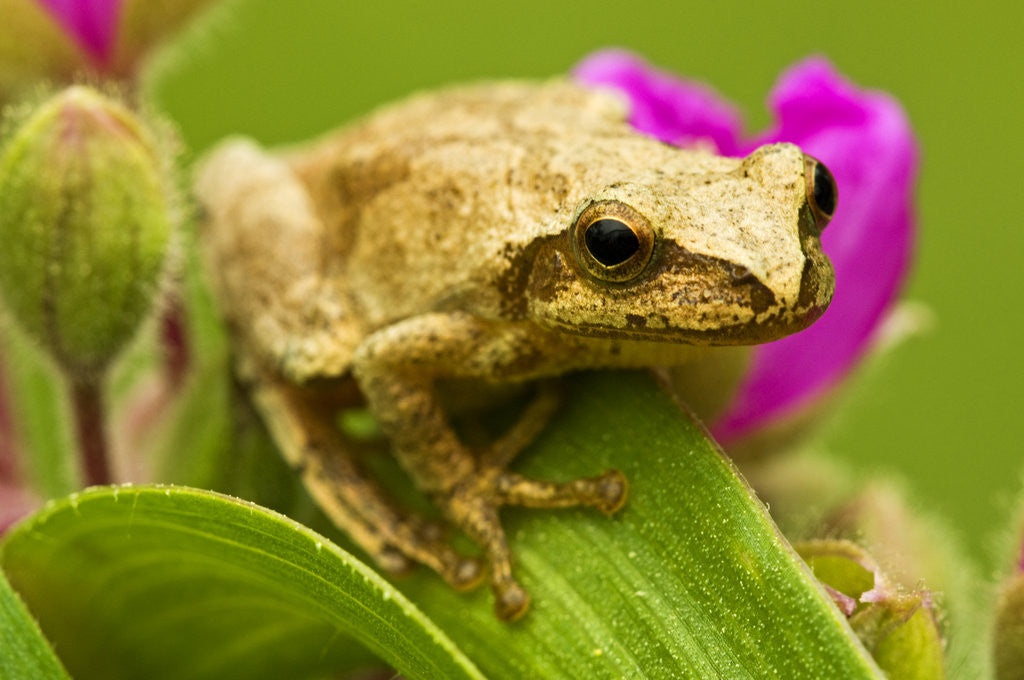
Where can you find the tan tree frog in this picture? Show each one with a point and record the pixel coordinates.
(494, 233)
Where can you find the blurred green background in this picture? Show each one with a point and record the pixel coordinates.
(944, 410)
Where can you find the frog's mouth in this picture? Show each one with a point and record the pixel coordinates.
(652, 328)
(697, 299)
(708, 300)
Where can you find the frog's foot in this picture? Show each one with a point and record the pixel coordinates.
(473, 506)
(304, 429)
(395, 539)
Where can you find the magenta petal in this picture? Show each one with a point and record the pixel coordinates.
(865, 140)
(92, 23)
(662, 105)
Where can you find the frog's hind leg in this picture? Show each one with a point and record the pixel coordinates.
(263, 242)
(303, 426)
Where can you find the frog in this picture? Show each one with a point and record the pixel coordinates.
(486, 235)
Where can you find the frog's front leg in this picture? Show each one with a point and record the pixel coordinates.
(397, 368)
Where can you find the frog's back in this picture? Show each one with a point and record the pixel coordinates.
(482, 112)
(425, 201)
(417, 208)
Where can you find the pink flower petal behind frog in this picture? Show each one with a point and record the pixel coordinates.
(91, 23)
(662, 105)
(866, 141)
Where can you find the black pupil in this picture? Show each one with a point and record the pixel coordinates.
(824, 189)
(611, 242)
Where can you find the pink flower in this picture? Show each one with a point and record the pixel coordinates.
(91, 23)
(865, 141)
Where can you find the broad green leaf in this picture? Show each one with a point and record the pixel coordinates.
(168, 582)
(23, 651)
(690, 580)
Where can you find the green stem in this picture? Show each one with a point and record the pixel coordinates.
(90, 427)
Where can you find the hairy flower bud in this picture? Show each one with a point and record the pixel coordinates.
(897, 625)
(85, 223)
(1008, 636)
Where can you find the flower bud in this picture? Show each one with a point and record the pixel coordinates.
(895, 624)
(1009, 630)
(85, 222)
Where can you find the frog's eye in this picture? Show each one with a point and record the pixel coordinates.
(613, 241)
(822, 194)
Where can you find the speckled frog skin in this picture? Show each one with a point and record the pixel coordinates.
(494, 233)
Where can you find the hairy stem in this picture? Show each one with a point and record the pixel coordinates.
(90, 427)
(175, 340)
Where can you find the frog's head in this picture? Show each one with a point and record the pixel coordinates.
(700, 249)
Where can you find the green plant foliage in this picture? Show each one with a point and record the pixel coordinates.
(691, 579)
(23, 651)
(40, 414)
(168, 582)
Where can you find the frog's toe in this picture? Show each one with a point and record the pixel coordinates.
(464, 573)
(431, 532)
(611, 491)
(427, 542)
(606, 492)
(510, 601)
(393, 561)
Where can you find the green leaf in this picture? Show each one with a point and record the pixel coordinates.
(168, 582)
(23, 651)
(690, 580)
